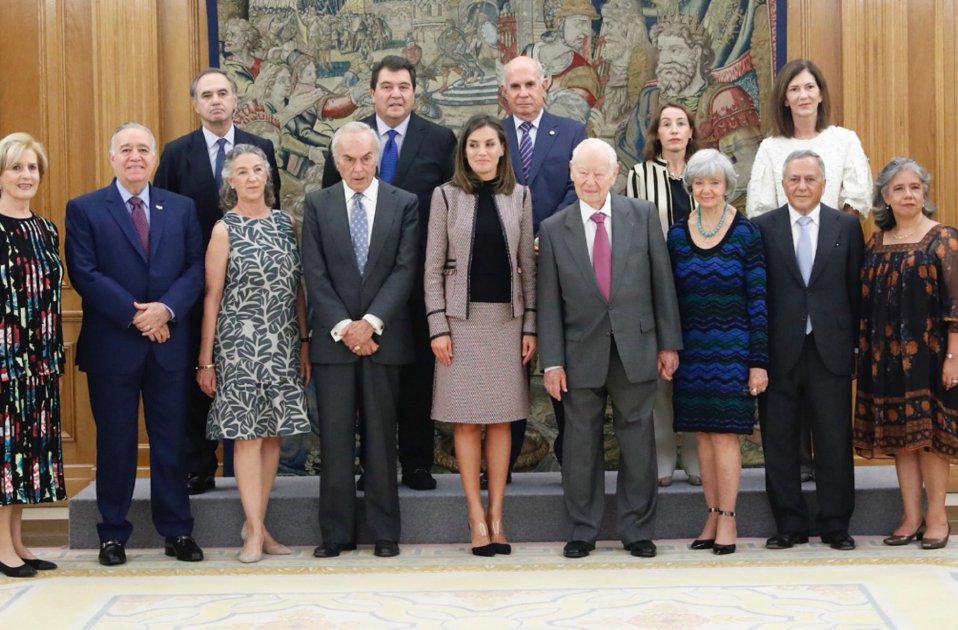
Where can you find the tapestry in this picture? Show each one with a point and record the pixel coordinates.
(303, 68)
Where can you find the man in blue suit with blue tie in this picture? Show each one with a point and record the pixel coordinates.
(540, 145)
(135, 256)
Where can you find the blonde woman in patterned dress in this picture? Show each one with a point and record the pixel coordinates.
(480, 301)
(254, 326)
(31, 352)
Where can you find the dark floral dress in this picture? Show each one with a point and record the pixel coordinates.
(31, 362)
(909, 305)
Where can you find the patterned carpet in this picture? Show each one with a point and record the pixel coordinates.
(441, 586)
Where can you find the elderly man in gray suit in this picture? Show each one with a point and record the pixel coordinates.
(359, 260)
(608, 325)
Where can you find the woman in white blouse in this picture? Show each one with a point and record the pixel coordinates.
(801, 121)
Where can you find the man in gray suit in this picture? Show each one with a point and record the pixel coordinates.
(359, 260)
(608, 325)
(813, 258)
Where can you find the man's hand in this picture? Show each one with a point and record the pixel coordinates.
(159, 335)
(364, 349)
(150, 316)
(555, 382)
(357, 333)
(668, 363)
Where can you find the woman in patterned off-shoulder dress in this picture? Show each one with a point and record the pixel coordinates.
(31, 352)
(254, 326)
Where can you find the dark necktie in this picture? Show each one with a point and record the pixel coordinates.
(525, 149)
(140, 224)
(387, 167)
(218, 168)
(602, 256)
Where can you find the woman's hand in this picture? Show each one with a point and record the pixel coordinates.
(206, 378)
(442, 348)
(757, 381)
(528, 348)
(949, 372)
(305, 367)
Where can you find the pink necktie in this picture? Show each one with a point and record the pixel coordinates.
(140, 224)
(602, 256)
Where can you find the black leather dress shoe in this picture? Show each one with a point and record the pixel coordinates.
(386, 549)
(642, 548)
(198, 484)
(331, 550)
(184, 548)
(785, 541)
(839, 540)
(577, 549)
(22, 571)
(40, 565)
(112, 552)
(484, 480)
(419, 479)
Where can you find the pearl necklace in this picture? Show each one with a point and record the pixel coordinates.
(901, 237)
(713, 231)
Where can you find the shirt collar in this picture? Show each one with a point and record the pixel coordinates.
(794, 215)
(535, 121)
(371, 193)
(126, 194)
(587, 210)
(211, 137)
(382, 127)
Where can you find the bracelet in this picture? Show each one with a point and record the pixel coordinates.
(207, 366)
(305, 339)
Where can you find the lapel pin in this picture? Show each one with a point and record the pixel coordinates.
(159, 207)
(552, 132)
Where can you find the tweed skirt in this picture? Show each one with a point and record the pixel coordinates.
(486, 382)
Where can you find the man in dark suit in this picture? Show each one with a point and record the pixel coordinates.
(191, 165)
(417, 156)
(135, 256)
(608, 323)
(540, 145)
(813, 256)
(359, 260)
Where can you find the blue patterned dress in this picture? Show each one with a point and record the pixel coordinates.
(259, 391)
(721, 294)
(31, 362)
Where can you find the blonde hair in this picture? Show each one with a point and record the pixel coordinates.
(13, 146)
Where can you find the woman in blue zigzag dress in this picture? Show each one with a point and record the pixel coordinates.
(719, 268)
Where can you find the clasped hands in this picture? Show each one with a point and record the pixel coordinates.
(151, 320)
(358, 337)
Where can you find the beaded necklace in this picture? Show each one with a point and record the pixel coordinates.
(713, 231)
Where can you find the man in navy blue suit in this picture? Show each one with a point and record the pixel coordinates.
(135, 256)
(189, 167)
(540, 145)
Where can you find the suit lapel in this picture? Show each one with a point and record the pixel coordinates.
(623, 229)
(513, 141)
(411, 143)
(828, 234)
(784, 243)
(575, 240)
(157, 218)
(118, 210)
(545, 137)
(199, 159)
(382, 224)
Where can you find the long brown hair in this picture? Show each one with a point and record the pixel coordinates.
(781, 115)
(464, 177)
(653, 146)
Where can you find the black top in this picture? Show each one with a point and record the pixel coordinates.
(681, 202)
(490, 275)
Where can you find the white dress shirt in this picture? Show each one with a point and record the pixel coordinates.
(794, 216)
(212, 147)
(532, 132)
(382, 128)
(590, 225)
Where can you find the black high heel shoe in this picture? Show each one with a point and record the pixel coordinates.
(936, 543)
(503, 549)
(22, 571)
(488, 550)
(704, 543)
(724, 550)
(897, 540)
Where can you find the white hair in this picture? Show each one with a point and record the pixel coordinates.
(354, 127)
(132, 125)
(590, 144)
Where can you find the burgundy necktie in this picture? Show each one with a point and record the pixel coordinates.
(140, 224)
(602, 256)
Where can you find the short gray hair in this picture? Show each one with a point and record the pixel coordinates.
(801, 154)
(354, 127)
(228, 197)
(884, 217)
(601, 145)
(709, 162)
(131, 125)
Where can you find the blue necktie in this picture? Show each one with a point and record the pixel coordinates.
(525, 149)
(387, 167)
(358, 231)
(218, 168)
(803, 254)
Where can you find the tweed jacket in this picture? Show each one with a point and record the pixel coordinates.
(452, 219)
